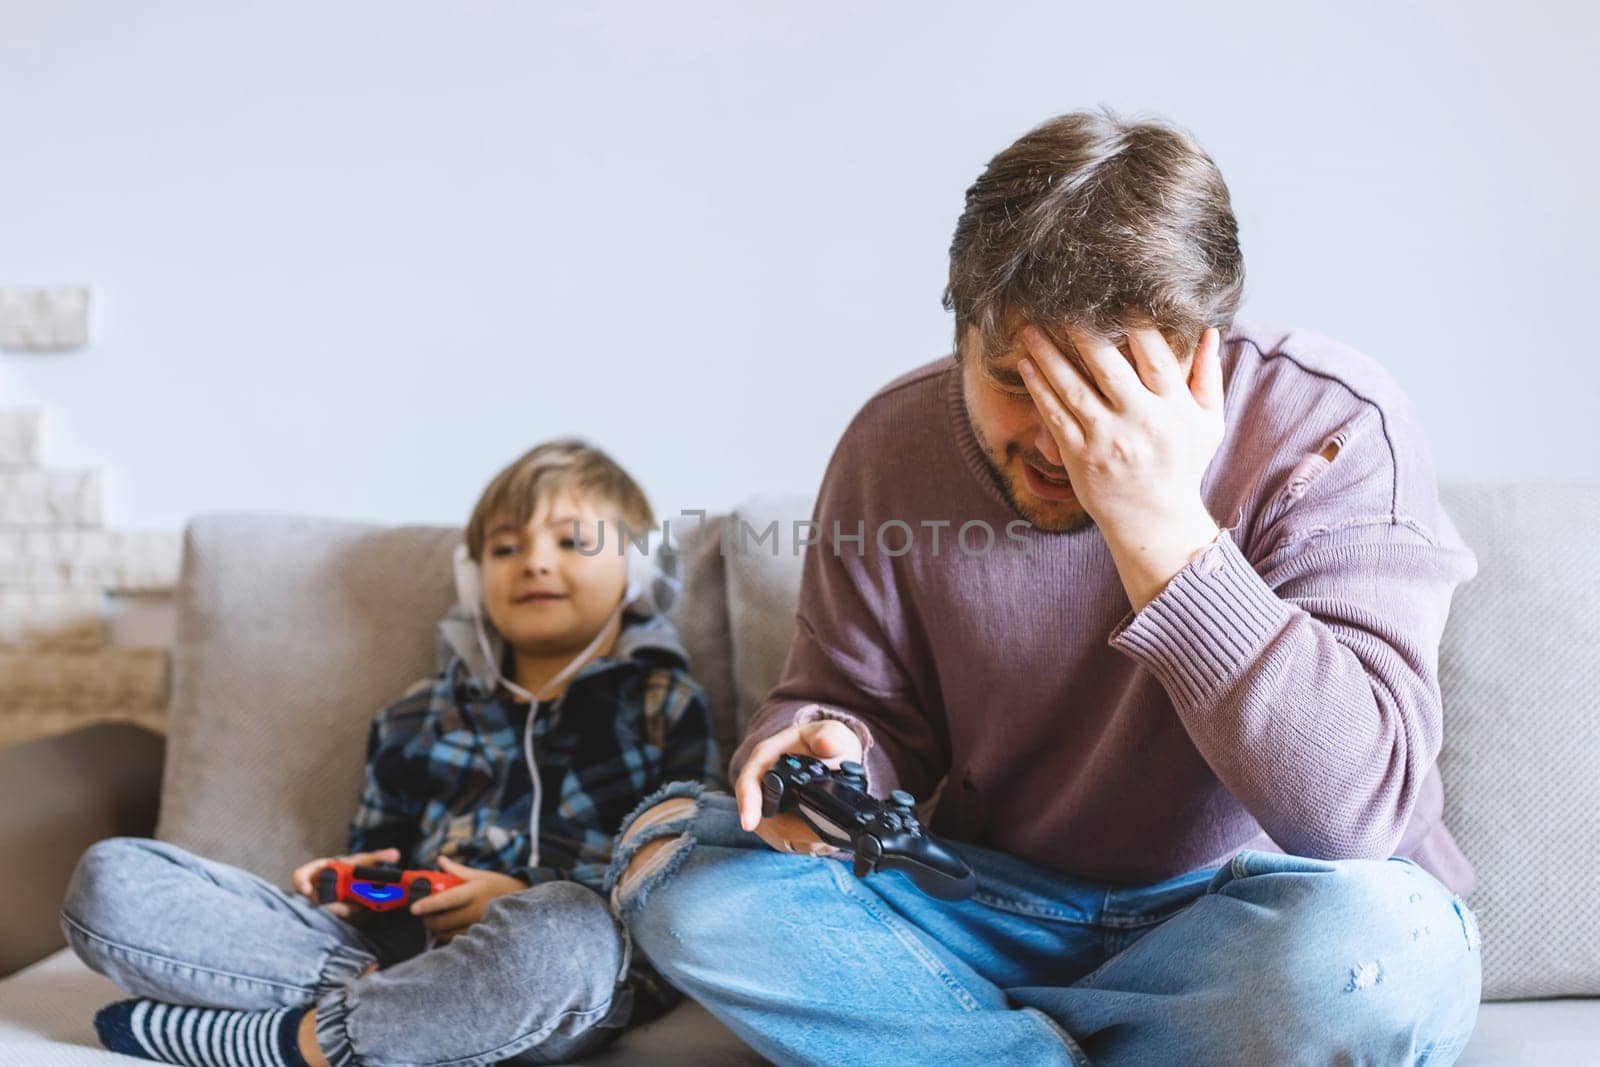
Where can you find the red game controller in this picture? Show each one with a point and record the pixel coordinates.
(379, 888)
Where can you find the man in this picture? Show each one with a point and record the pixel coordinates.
(1188, 731)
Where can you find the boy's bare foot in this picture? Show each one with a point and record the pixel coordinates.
(308, 1030)
(308, 1041)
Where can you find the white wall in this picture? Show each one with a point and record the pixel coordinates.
(349, 258)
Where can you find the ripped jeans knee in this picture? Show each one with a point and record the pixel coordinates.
(652, 842)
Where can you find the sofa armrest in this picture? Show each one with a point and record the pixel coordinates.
(58, 796)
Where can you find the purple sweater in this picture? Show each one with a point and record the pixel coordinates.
(1280, 694)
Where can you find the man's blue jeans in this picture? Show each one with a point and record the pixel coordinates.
(1270, 959)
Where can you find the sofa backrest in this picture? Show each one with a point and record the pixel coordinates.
(292, 634)
(1519, 671)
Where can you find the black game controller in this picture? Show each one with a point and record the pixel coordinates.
(884, 835)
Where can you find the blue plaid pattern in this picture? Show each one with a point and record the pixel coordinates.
(447, 774)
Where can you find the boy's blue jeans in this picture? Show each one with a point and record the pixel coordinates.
(1270, 959)
(541, 978)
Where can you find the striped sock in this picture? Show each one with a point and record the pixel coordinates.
(202, 1037)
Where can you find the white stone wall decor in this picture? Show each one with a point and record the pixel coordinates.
(34, 496)
(44, 320)
(75, 646)
(19, 437)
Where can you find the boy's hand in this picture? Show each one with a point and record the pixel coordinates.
(305, 875)
(452, 911)
(830, 741)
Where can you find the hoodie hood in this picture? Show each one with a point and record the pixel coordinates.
(458, 639)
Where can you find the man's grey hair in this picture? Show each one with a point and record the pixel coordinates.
(1088, 217)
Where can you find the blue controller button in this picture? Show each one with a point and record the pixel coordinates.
(377, 893)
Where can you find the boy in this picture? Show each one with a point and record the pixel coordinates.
(564, 701)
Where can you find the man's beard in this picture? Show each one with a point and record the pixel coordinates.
(1047, 516)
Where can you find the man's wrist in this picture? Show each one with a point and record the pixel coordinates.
(1149, 554)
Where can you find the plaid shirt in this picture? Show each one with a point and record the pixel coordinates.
(447, 773)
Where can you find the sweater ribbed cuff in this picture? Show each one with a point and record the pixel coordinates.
(1203, 631)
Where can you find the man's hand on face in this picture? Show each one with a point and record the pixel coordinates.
(1135, 441)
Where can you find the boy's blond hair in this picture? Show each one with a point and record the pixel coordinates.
(565, 465)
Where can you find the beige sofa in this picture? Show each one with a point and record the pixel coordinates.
(293, 631)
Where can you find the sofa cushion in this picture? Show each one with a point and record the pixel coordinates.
(292, 634)
(1520, 676)
(47, 1015)
(701, 616)
(763, 562)
(1533, 1032)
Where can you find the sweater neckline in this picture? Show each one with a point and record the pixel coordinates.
(967, 441)
(978, 464)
